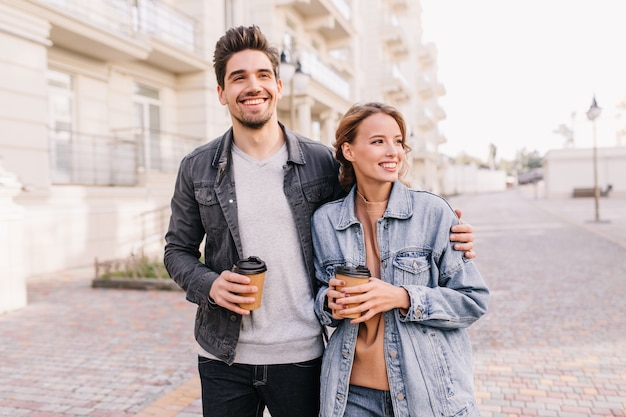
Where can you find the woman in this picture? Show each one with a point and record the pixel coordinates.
(408, 354)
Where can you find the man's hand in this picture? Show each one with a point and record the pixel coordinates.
(226, 289)
(464, 234)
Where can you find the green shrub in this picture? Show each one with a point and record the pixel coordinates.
(133, 267)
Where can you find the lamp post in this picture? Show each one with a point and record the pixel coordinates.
(292, 73)
(592, 114)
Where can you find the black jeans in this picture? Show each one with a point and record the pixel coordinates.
(245, 390)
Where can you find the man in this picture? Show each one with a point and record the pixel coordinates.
(251, 192)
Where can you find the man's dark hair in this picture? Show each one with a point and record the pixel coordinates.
(239, 39)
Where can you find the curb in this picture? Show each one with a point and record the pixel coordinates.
(136, 283)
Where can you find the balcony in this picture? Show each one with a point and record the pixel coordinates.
(437, 112)
(427, 56)
(97, 29)
(424, 123)
(330, 18)
(398, 6)
(430, 89)
(118, 159)
(175, 37)
(325, 75)
(118, 30)
(395, 42)
(396, 86)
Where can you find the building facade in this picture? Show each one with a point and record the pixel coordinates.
(99, 101)
(565, 170)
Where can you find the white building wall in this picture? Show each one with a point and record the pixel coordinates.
(23, 97)
(71, 225)
(120, 88)
(12, 261)
(64, 226)
(566, 169)
(469, 179)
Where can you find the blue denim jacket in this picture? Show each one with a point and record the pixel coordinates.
(427, 351)
(204, 207)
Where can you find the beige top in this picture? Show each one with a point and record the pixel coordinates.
(369, 369)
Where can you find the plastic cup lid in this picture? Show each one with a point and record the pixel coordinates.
(250, 265)
(359, 271)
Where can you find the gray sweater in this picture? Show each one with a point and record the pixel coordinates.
(284, 329)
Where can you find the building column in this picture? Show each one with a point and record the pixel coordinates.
(303, 117)
(330, 119)
(24, 99)
(12, 272)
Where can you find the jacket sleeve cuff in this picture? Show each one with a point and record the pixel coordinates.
(418, 305)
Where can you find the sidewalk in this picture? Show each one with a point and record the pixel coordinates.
(552, 345)
(79, 351)
(581, 213)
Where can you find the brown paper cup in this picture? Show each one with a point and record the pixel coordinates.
(255, 269)
(351, 281)
(256, 280)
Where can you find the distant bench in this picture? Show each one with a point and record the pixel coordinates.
(589, 192)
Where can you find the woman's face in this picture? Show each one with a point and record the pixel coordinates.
(376, 153)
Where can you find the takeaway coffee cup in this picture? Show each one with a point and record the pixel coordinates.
(352, 276)
(255, 269)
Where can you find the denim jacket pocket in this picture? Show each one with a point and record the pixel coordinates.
(210, 211)
(317, 191)
(204, 196)
(413, 268)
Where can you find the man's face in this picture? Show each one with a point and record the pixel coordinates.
(251, 91)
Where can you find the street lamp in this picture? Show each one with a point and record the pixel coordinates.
(592, 114)
(287, 69)
(292, 73)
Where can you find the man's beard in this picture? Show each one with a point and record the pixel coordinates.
(255, 123)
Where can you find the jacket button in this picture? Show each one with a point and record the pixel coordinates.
(400, 397)
(233, 318)
(393, 354)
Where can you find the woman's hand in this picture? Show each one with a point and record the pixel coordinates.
(332, 295)
(375, 296)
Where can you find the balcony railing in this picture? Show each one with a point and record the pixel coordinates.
(113, 15)
(136, 19)
(115, 160)
(325, 75)
(343, 7)
(163, 21)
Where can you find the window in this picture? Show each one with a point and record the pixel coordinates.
(60, 125)
(148, 126)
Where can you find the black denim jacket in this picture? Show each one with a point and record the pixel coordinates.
(204, 205)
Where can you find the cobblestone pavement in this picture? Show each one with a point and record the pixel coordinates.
(554, 340)
(552, 344)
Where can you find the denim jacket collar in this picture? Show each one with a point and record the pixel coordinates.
(399, 206)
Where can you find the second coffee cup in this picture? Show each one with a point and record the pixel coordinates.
(254, 268)
(352, 276)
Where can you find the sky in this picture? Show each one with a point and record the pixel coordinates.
(514, 70)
